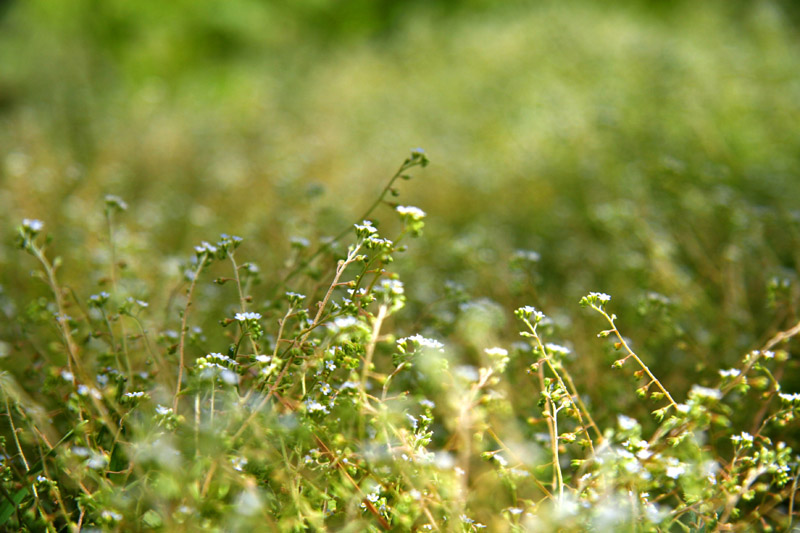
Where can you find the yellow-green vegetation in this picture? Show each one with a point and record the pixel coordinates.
(374, 348)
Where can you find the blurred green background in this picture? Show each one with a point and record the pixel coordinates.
(649, 150)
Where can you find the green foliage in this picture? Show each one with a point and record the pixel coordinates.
(326, 372)
(318, 416)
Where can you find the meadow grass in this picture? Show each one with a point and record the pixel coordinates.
(322, 411)
(155, 376)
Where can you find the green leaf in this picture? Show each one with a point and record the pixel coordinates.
(8, 507)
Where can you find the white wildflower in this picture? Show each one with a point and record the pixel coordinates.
(705, 392)
(32, 224)
(415, 213)
(244, 317)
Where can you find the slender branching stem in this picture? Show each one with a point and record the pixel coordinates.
(630, 354)
(182, 342)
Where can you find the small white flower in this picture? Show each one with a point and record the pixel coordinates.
(790, 398)
(111, 516)
(378, 242)
(330, 365)
(316, 407)
(502, 461)
(301, 242)
(392, 286)
(415, 213)
(423, 342)
(97, 461)
(730, 373)
(67, 376)
(527, 255)
(514, 510)
(295, 296)
(113, 200)
(365, 227)
(529, 311)
(221, 358)
(80, 451)
(626, 423)
(205, 248)
(231, 378)
(244, 317)
(83, 390)
(263, 358)
(705, 392)
(675, 471)
(342, 323)
(161, 410)
(601, 296)
(495, 351)
(557, 348)
(238, 463)
(33, 225)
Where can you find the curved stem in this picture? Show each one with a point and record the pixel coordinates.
(407, 164)
(630, 353)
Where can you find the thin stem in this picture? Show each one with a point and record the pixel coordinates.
(341, 267)
(339, 271)
(516, 457)
(383, 310)
(630, 353)
(556, 458)
(791, 502)
(242, 297)
(114, 284)
(73, 361)
(551, 428)
(72, 349)
(182, 343)
(774, 341)
(213, 401)
(156, 355)
(733, 499)
(572, 390)
(407, 164)
(16, 437)
(197, 425)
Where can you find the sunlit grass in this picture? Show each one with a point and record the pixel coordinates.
(647, 153)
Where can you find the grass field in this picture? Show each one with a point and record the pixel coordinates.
(642, 151)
